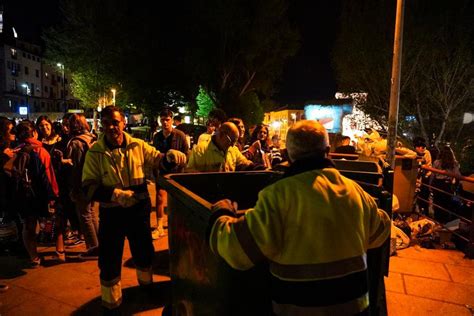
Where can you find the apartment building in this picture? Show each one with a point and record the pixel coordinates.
(28, 84)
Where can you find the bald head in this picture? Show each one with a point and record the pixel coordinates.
(227, 135)
(307, 139)
(229, 129)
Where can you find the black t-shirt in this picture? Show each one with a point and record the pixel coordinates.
(347, 149)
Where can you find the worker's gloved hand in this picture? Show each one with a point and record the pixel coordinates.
(224, 204)
(125, 198)
(221, 208)
(176, 156)
(224, 207)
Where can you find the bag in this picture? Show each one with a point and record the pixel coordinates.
(17, 169)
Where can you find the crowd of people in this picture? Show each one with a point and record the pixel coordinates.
(60, 170)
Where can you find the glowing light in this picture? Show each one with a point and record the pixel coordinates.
(187, 119)
(113, 96)
(276, 124)
(181, 109)
(468, 118)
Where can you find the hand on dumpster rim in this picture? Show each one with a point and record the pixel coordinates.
(176, 156)
(224, 204)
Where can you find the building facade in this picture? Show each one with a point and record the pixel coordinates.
(29, 85)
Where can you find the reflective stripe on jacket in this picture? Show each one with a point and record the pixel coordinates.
(314, 228)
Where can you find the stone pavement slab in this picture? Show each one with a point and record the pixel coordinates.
(440, 290)
(421, 268)
(430, 282)
(407, 305)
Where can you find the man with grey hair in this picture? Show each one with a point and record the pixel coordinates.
(313, 228)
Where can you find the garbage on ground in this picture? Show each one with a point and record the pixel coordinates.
(411, 229)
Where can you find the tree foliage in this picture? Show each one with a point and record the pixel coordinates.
(230, 47)
(204, 102)
(437, 71)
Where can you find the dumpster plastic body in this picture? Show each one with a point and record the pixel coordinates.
(404, 182)
(203, 283)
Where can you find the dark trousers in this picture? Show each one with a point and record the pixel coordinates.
(117, 223)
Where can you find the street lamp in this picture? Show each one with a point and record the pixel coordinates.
(61, 66)
(113, 96)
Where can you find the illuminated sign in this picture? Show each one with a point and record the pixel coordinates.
(23, 110)
(75, 111)
(330, 116)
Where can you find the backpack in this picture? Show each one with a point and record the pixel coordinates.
(17, 169)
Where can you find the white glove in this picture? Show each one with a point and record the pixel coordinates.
(176, 156)
(125, 198)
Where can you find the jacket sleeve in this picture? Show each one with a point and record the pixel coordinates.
(76, 153)
(241, 160)
(378, 223)
(91, 180)
(244, 242)
(155, 159)
(192, 167)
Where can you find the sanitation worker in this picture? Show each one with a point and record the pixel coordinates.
(313, 228)
(114, 175)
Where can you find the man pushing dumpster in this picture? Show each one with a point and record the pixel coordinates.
(114, 175)
(313, 228)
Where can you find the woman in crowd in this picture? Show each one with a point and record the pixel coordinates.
(46, 133)
(259, 146)
(240, 125)
(80, 142)
(442, 199)
(35, 200)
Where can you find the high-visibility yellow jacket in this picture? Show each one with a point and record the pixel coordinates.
(118, 168)
(314, 229)
(206, 157)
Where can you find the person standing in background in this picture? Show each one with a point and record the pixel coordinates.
(164, 140)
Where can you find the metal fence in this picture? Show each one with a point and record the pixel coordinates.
(450, 202)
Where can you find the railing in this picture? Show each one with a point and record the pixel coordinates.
(454, 211)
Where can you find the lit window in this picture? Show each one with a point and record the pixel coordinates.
(46, 74)
(13, 52)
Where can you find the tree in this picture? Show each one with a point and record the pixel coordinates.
(437, 71)
(230, 47)
(204, 102)
(239, 47)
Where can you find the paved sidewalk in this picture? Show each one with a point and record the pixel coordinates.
(421, 282)
(430, 282)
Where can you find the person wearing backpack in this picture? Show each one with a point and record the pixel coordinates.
(35, 188)
(77, 147)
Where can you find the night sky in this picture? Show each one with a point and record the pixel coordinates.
(307, 76)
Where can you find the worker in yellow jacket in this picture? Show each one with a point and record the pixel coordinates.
(114, 175)
(220, 154)
(313, 227)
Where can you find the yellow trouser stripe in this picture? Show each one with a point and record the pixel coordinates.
(111, 295)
